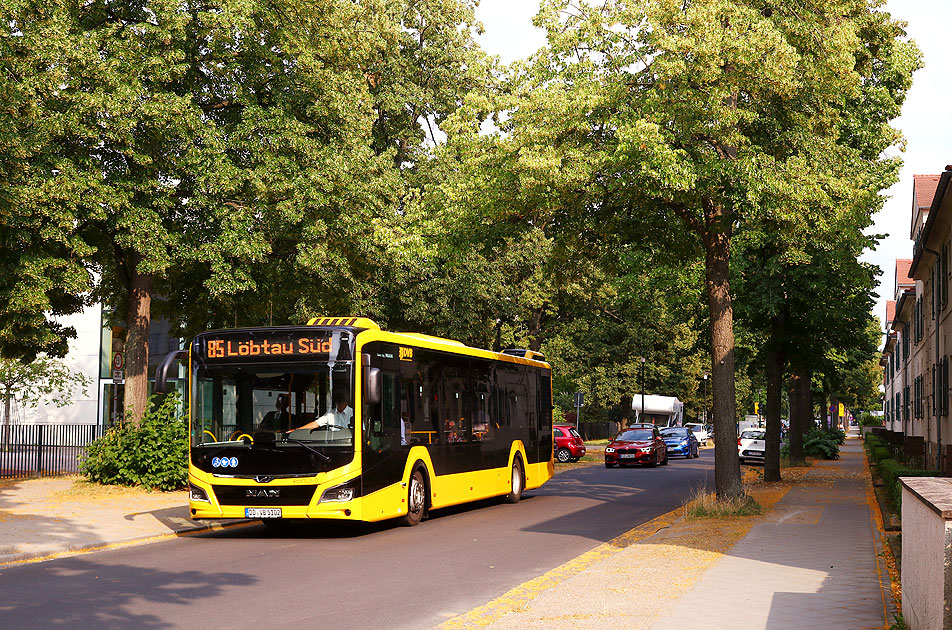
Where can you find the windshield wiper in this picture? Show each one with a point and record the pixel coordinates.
(315, 451)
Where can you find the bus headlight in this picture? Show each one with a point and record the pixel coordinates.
(342, 493)
(197, 494)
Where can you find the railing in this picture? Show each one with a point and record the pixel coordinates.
(43, 450)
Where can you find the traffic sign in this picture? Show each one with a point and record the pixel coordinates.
(118, 361)
(579, 399)
(118, 377)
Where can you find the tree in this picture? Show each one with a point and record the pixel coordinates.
(170, 145)
(718, 114)
(28, 384)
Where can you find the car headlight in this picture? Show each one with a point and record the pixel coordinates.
(197, 494)
(645, 450)
(684, 442)
(609, 449)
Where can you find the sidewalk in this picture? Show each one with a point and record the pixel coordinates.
(810, 562)
(42, 518)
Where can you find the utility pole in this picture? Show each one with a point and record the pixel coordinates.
(642, 386)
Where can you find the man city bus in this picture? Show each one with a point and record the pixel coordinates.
(342, 420)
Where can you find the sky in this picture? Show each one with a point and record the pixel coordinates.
(925, 121)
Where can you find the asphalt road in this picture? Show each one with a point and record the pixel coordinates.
(334, 576)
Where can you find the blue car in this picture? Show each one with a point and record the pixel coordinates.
(680, 441)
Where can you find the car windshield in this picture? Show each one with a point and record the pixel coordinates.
(695, 427)
(632, 435)
(752, 435)
(575, 433)
(675, 432)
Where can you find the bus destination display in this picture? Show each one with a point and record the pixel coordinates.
(263, 347)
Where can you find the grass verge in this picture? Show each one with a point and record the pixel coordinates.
(703, 504)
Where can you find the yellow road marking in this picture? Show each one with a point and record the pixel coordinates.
(518, 597)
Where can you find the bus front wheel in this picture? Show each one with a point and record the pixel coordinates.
(416, 499)
(517, 481)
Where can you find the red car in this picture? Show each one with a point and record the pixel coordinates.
(569, 446)
(641, 444)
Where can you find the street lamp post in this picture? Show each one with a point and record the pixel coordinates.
(642, 387)
(705, 397)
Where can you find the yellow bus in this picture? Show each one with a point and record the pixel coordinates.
(342, 420)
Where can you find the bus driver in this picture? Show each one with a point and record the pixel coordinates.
(340, 415)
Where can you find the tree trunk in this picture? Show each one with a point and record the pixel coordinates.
(535, 329)
(835, 414)
(138, 317)
(801, 408)
(775, 366)
(726, 464)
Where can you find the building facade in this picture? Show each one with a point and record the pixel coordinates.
(916, 353)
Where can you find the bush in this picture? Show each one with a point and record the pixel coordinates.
(891, 471)
(818, 444)
(872, 441)
(867, 419)
(837, 435)
(879, 453)
(152, 453)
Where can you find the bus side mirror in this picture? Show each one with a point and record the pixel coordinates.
(162, 372)
(372, 380)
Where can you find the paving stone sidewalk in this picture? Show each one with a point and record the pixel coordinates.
(812, 563)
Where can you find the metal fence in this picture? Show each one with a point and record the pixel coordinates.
(43, 450)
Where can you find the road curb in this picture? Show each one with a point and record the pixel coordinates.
(29, 557)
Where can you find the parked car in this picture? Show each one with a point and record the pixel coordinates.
(569, 446)
(751, 446)
(699, 432)
(638, 445)
(680, 441)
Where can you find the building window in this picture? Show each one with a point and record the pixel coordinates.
(943, 276)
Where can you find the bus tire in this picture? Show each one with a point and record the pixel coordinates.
(517, 481)
(416, 499)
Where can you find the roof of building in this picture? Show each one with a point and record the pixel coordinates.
(924, 187)
(903, 279)
(890, 313)
(922, 236)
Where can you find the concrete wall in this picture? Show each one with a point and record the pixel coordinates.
(926, 552)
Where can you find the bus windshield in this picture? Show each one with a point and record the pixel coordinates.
(309, 403)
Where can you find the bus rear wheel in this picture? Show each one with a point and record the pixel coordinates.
(517, 481)
(416, 499)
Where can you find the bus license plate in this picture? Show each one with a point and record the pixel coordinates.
(262, 512)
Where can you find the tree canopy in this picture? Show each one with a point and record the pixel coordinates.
(655, 170)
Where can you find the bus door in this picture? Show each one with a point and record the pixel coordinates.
(384, 447)
(459, 443)
(489, 430)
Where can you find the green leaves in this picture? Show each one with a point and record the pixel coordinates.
(152, 453)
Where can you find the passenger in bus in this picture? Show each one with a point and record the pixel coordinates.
(451, 432)
(341, 415)
(279, 419)
(481, 423)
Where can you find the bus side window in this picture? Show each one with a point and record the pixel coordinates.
(483, 422)
(499, 399)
